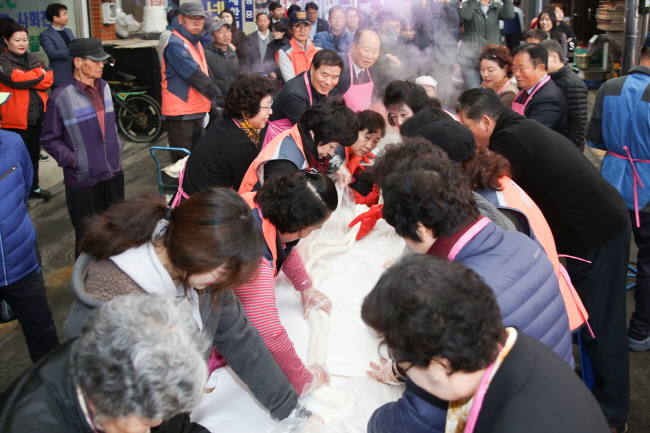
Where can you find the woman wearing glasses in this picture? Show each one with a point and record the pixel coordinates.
(230, 145)
(26, 78)
(496, 71)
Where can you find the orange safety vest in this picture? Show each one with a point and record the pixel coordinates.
(514, 197)
(269, 153)
(352, 160)
(269, 231)
(300, 60)
(172, 105)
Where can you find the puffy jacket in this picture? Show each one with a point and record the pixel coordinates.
(575, 94)
(187, 88)
(27, 82)
(223, 65)
(620, 118)
(73, 136)
(481, 29)
(17, 234)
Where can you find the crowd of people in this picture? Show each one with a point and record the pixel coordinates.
(487, 185)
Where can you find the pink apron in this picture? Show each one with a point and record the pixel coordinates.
(358, 96)
(519, 108)
(504, 87)
(275, 127)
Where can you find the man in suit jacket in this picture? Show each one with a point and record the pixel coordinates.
(317, 24)
(55, 41)
(541, 99)
(257, 43)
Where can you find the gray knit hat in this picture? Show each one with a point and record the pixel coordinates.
(193, 9)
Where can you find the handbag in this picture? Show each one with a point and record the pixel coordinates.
(6, 313)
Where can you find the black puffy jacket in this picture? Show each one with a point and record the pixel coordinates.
(575, 94)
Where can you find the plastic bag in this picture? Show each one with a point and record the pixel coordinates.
(126, 24)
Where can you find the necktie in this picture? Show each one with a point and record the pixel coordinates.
(361, 77)
(524, 97)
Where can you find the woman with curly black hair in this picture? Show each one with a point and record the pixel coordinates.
(222, 156)
(286, 209)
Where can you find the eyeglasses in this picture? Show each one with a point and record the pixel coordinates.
(270, 105)
(97, 62)
(198, 20)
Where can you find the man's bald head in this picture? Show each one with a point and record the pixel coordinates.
(365, 48)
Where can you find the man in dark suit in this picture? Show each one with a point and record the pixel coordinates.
(257, 43)
(541, 99)
(55, 41)
(364, 52)
(277, 14)
(317, 24)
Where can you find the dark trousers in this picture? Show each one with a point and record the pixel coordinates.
(601, 286)
(640, 322)
(185, 134)
(85, 202)
(32, 138)
(28, 300)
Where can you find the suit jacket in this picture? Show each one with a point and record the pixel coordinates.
(58, 53)
(322, 25)
(255, 59)
(344, 79)
(548, 107)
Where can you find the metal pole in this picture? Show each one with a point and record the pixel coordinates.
(631, 35)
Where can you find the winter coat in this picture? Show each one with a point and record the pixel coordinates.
(575, 94)
(481, 29)
(583, 210)
(270, 62)
(17, 235)
(27, 79)
(533, 391)
(58, 53)
(224, 66)
(45, 399)
(620, 117)
(220, 158)
(328, 41)
(76, 141)
(437, 26)
(223, 320)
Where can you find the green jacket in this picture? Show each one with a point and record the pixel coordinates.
(481, 29)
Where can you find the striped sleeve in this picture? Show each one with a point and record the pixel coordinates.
(258, 298)
(294, 269)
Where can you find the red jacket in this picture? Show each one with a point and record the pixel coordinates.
(18, 80)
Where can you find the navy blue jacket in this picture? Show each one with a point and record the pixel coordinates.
(58, 53)
(17, 234)
(526, 288)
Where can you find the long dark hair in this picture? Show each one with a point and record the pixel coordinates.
(212, 229)
(555, 32)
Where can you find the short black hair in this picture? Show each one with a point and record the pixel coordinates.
(312, 6)
(406, 92)
(279, 27)
(53, 10)
(4, 22)
(327, 58)
(273, 6)
(292, 8)
(412, 126)
(428, 190)
(426, 307)
(331, 121)
(394, 153)
(538, 34)
(372, 121)
(173, 13)
(296, 200)
(245, 94)
(645, 52)
(538, 54)
(260, 14)
(479, 102)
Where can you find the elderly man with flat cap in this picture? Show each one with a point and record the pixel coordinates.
(80, 132)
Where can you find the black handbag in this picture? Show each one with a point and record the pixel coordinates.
(6, 313)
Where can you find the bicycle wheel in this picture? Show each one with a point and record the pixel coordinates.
(138, 118)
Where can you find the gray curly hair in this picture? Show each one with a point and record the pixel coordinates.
(140, 355)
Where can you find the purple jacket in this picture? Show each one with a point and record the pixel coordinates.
(72, 135)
